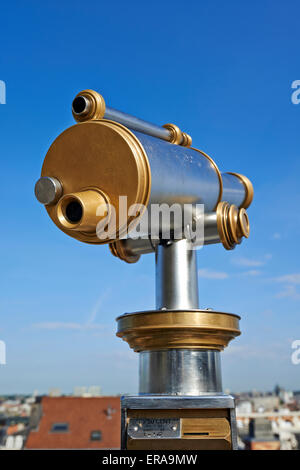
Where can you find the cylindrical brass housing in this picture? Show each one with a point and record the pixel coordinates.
(94, 160)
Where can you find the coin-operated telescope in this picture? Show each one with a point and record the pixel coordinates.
(111, 178)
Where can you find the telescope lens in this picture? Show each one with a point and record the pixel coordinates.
(74, 212)
(79, 105)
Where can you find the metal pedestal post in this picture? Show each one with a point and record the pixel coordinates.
(176, 276)
(180, 403)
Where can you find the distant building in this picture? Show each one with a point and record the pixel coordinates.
(54, 392)
(92, 391)
(265, 403)
(79, 391)
(286, 397)
(297, 397)
(76, 423)
(13, 432)
(277, 390)
(14, 442)
(243, 407)
(261, 436)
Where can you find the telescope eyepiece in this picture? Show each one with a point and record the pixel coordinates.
(82, 211)
(81, 105)
(74, 212)
(88, 105)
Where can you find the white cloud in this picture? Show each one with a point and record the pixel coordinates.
(210, 274)
(276, 236)
(121, 355)
(259, 351)
(288, 291)
(252, 263)
(289, 281)
(252, 272)
(289, 278)
(248, 262)
(67, 326)
(97, 305)
(89, 325)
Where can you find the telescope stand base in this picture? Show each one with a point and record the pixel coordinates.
(165, 422)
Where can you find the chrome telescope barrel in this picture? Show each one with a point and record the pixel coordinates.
(187, 176)
(237, 189)
(136, 124)
(180, 175)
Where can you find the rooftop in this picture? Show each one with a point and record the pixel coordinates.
(77, 423)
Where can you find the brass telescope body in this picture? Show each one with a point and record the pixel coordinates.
(87, 171)
(103, 160)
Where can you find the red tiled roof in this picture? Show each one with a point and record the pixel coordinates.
(83, 415)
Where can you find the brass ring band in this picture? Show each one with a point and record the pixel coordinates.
(118, 250)
(186, 140)
(244, 223)
(248, 188)
(218, 173)
(232, 224)
(233, 215)
(179, 329)
(221, 222)
(176, 134)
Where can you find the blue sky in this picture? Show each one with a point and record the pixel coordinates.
(222, 71)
